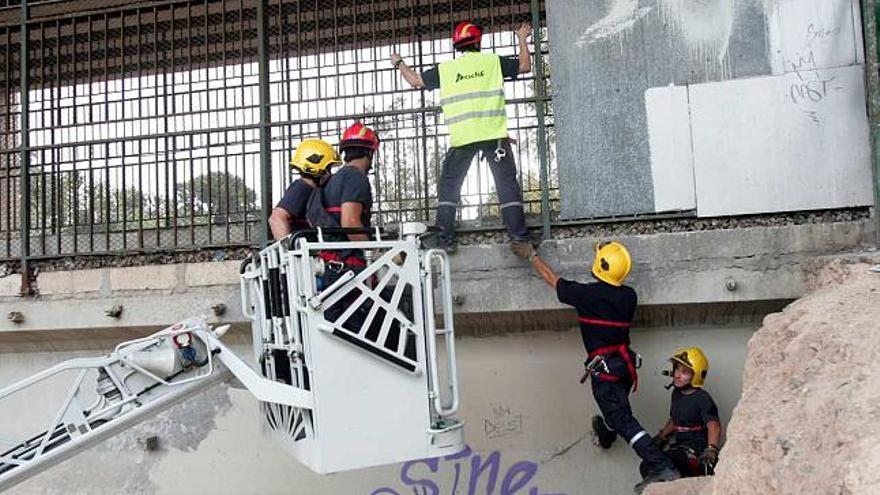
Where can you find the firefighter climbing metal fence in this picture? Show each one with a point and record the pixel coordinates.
(157, 126)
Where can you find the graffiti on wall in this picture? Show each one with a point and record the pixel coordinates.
(466, 473)
(504, 421)
(810, 86)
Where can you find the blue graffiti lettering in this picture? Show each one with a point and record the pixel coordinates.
(425, 484)
(525, 470)
(466, 470)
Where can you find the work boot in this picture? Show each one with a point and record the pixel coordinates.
(449, 248)
(604, 435)
(667, 474)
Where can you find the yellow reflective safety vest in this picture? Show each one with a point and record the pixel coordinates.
(472, 97)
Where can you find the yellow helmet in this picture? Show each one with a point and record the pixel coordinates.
(612, 263)
(693, 359)
(314, 157)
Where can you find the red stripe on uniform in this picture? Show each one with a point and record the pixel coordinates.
(604, 323)
(334, 209)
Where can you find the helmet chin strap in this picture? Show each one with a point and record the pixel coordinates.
(671, 384)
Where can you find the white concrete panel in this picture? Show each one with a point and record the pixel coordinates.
(781, 143)
(814, 34)
(669, 136)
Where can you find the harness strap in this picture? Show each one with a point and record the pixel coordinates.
(623, 351)
(685, 429)
(349, 260)
(604, 323)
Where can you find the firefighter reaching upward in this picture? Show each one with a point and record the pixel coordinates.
(605, 310)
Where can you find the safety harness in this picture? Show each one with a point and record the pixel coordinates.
(322, 216)
(604, 352)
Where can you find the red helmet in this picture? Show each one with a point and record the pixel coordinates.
(466, 33)
(359, 136)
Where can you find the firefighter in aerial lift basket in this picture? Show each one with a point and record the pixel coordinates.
(312, 162)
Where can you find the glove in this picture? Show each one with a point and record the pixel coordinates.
(660, 441)
(523, 249)
(709, 456)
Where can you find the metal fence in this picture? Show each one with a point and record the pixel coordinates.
(146, 126)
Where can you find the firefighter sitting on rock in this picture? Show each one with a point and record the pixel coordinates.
(693, 429)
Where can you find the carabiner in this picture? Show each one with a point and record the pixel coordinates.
(500, 152)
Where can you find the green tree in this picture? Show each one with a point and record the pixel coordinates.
(218, 195)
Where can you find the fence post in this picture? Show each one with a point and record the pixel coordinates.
(24, 157)
(869, 26)
(542, 129)
(265, 118)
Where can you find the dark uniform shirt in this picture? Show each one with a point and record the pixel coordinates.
(349, 185)
(694, 409)
(295, 200)
(509, 70)
(600, 301)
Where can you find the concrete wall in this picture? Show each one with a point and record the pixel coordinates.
(671, 269)
(522, 403)
(725, 107)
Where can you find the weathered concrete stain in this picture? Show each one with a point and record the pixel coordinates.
(620, 18)
(121, 464)
(706, 26)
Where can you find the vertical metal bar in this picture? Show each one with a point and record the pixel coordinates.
(157, 140)
(171, 140)
(869, 22)
(224, 67)
(140, 168)
(8, 140)
(192, 170)
(25, 158)
(124, 143)
(74, 119)
(42, 178)
(106, 207)
(265, 116)
(206, 111)
(57, 152)
(416, 24)
(91, 147)
(539, 110)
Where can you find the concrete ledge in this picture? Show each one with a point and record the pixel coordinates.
(211, 273)
(10, 285)
(153, 277)
(675, 275)
(766, 263)
(79, 282)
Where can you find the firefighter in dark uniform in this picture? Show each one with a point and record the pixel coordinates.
(312, 160)
(472, 96)
(605, 311)
(693, 428)
(346, 201)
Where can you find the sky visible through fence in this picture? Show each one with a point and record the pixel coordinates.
(171, 158)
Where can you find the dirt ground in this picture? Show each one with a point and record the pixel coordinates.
(808, 421)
